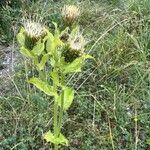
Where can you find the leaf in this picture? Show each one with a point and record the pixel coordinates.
(21, 37)
(43, 86)
(26, 52)
(53, 41)
(88, 57)
(56, 29)
(62, 140)
(49, 137)
(49, 41)
(38, 48)
(74, 66)
(50, 45)
(64, 31)
(148, 141)
(75, 31)
(55, 77)
(43, 62)
(68, 98)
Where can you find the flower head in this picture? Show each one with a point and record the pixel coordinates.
(77, 42)
(75, 47)
(70, 13)
(33, 29)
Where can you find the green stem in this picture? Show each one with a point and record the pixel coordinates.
(55, 125)
(55, 117)
(56, 147)
(58, 123)
(61, 113)
(55, 122)
(62, 106)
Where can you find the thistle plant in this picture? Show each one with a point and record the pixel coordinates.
(65, 56)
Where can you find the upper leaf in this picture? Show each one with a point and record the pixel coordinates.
(26, 52)
(53, 41)
(38, 48)
(43, 86)
(67, 98)
(76, 65)
(55, 77)
(21, 37)
(43, 62)
(49, 43)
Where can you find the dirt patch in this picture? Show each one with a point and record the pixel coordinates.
(9, 59)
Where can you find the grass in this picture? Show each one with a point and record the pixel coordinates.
(111, 109)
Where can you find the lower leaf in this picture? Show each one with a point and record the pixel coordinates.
(49, 137)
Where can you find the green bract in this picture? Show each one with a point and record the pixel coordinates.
(53, 52)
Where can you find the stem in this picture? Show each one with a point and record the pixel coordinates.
(55, 121)
(58, 123)
(55, 125)
(55, 117)
(61, 113)
(56, 147)
(62, 104)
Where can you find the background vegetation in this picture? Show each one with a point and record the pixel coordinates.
(111, 109)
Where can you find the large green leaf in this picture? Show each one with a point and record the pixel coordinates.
(38, 48)
(21, 37)
(43, 62)
(148, 141)
(26, 52)
(49, 137)
(67, 97)
(74, 66)
(43, 86)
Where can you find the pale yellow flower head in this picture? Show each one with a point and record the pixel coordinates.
(33, 29)
(70, 13)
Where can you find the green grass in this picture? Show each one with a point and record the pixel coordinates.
(111, 109)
